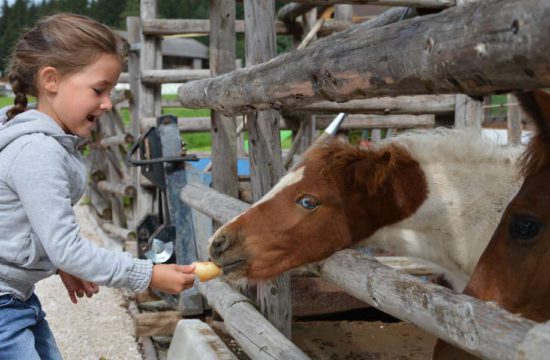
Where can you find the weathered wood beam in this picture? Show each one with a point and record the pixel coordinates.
(479, 328)
(353, 122)
(179, 26)
(116, 140)
(121, 233)
(290, 12)
(359, 122)
(156, 323)
(421, 104)
(173, 76)
(411, 3)
(117, 188)
(256, 336)
(477, 49)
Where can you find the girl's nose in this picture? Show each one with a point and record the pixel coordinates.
(106, 104)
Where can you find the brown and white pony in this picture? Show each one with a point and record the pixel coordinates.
(514, 268)
(435, 195)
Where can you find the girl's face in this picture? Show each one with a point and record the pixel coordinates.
(75, 101)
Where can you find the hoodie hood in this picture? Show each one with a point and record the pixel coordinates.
(30, 122)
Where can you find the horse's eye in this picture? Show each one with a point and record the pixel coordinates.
(524, 228)
(308, 202)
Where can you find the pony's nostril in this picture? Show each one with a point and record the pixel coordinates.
(220, 244)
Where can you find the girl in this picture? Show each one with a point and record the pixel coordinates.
(69, 63)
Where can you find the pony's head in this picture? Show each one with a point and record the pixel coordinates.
(513, 269)
(336, 196)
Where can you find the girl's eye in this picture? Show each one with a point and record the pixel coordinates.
(308, 202)
(98, 91)
(524, 229)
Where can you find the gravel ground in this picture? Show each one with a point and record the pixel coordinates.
(96, 328)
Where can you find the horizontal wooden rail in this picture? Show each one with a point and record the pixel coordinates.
(353, 122)
(291, 11)
(478, 327)
(117, 140)
(257, 337)
(117, 188)
(173, 76)
(121, 233)
(421, 104)
(472, 49)
(361, 122)
(411, 3)
(179, 26)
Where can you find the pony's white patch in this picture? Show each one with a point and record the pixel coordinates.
(287, 180)
(470, 182)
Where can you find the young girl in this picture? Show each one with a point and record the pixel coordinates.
(69, 63)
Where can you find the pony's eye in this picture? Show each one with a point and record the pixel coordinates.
(524, 228)
(308, 202)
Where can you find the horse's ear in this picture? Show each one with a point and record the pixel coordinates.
(371, 172)
(536, 104)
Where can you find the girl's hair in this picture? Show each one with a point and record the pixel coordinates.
(67, 42)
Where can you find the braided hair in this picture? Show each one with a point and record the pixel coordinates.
(67, 42)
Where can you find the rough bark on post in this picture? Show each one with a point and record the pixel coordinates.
(469, 111)
(471, 49)
(222, 128)
(265, 151)
(150, 46)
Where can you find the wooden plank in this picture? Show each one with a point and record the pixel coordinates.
(146, 104)
(266, 164)
(256, 336)
(223, 130)
(180, 26)
(290, 12)
(411, 3)
(482, 329)
(471, 49)
(116, 140)
(156, 323)
(415, 105)
(122, 233)
(513, 120)
(160, 76)
(353, 122)
(117, 187)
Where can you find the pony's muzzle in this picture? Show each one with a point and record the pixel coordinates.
(218, 245)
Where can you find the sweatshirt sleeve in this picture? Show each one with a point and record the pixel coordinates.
(40, 176)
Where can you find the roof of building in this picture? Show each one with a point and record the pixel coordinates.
(180, 47)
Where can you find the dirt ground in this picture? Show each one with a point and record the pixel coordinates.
(362, 340)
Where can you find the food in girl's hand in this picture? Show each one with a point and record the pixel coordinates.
(206, 270)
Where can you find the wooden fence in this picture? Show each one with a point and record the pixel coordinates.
(392, 59)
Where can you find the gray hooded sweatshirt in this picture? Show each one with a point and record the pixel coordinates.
(42, 177)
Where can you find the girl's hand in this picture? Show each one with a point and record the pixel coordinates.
(77, 287)
(172, 278)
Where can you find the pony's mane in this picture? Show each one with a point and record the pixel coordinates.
(453, 145)
(537, 106)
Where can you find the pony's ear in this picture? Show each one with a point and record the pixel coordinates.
(536, 104)
(371, 172)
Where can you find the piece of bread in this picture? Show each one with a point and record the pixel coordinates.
(206, 270)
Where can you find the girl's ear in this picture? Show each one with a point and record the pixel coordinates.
(48, 79)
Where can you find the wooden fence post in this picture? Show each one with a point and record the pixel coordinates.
(265, 151)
